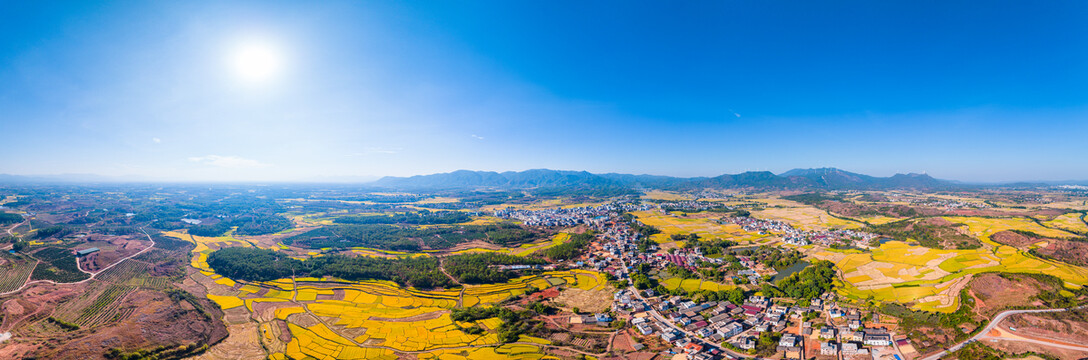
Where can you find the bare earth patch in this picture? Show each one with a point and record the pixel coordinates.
(597, 300)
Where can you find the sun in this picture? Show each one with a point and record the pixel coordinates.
(256, 61)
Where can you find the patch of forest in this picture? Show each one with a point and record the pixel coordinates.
(249, 224)
(936, 233)
(807, 284)
(252, 264)
(390, 237)
(10, 218)
(476, 268)
(573, 248)
(413, 218)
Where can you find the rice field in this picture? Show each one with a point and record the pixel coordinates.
(336, 319)
(878, 219)
(691, 285)
(930, 279)
(521, 250)
(803, 216)
(1073, 222)
(983, 228)
(672, 224)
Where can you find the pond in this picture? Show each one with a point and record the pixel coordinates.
(798, 266)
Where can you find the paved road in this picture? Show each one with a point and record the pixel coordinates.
(16, 225)
(9, 246)
(993, 323)
(93, 275)
(1039, 342)
(657, 316)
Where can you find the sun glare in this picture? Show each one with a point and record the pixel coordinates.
(256, 62)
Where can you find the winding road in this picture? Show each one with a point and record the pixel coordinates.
(92, 274)
(984, 334)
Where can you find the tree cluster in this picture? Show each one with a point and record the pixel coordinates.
(392, 237)
(809, 283)
(573, 248)
(252, 264)
(411, 218)
(476, 268)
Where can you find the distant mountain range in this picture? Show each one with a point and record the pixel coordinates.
(796, 179)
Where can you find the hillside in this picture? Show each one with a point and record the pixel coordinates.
(797, 179)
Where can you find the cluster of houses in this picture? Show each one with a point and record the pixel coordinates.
(798, 237)
(851, 338)
(691, 205)
(585, 215)
(697, 328)
(949, 204)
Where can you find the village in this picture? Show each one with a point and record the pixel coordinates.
(757, 326)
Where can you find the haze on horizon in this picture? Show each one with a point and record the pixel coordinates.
(278, 91)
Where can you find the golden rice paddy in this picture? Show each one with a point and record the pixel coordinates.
(802, 216)
(673, 224)
(1074, 222)
(930, 279)
(306, 318)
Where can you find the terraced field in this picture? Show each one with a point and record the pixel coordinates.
(521, 250)
(14, 271)
(1073, 222)
(319, 318)
(932, 277)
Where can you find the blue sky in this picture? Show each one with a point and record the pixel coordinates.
(365, 89)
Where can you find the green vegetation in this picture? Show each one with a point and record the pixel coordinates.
(813, 198)
(157, 353)
(930, 236)
(475, 313)
(937, 323)
(708, 246)
(573, 248)
(476, 268)
(416, 218)
(9, 218)
(807, 284)
(58, 265)
(514, 322)
(251, 264)
(775, 257)
(250, 224)
(64, 324)
(52, 231)
(645, 230)
(392, 237)
(767, 344)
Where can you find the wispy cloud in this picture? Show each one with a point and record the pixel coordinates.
(377, 151)
(232, 162)
(382, 150)
(737, 114)
(477, 137)
(156, 140)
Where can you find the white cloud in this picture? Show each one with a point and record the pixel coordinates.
(477, 137)
(377, 151)
(233, 162)
(156, 140)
